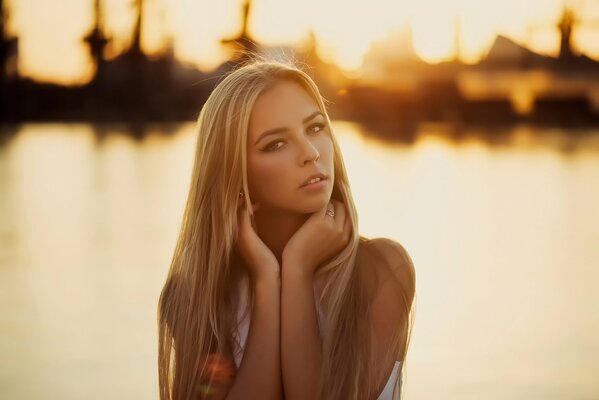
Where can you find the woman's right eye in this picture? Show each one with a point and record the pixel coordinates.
(271, 147)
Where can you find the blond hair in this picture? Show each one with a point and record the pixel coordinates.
(197, 306)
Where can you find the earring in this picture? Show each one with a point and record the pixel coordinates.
(241, 194)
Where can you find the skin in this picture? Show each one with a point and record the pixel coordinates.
(289, 238)
(288, 220)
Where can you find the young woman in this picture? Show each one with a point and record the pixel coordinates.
(272, 293)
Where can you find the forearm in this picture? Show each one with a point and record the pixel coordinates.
(259, 375)
(301, 348)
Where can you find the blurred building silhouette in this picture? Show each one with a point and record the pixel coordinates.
(542, 88)
(130, 87)
(133, 86)
(243, 44)
(9, 49)
(511, 83)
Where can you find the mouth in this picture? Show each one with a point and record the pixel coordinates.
(316, 178)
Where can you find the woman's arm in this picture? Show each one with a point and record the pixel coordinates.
(259, 374)
(301, 354)
(324, 234)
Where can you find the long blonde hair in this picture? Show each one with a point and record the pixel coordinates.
(196, 312)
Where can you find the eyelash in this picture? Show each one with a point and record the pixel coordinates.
(269, 146)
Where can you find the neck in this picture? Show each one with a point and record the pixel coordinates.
(276, 227)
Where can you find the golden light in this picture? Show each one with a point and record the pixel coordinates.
(51, 48)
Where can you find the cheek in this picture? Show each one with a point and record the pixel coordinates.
(326, 149)
(268, 176)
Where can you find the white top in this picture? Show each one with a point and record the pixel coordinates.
(244, 324)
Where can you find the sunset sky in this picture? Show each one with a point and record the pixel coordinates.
(50, 32)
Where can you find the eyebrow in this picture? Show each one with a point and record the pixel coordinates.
(279, 130)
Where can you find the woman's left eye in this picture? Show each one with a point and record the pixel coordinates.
(319, 127)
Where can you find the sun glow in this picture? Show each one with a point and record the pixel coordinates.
(52, 49)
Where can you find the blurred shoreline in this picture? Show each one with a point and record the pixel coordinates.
(511, 85)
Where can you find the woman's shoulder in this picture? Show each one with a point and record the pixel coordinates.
(386, 261)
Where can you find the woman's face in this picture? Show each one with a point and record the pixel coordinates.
(288, 141)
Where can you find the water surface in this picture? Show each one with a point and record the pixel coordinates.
(504, 234)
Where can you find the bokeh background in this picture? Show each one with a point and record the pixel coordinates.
(470, 131)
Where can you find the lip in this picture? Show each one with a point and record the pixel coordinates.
(317, 186)
(320, 175)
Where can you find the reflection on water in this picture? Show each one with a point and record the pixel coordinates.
(505, 240)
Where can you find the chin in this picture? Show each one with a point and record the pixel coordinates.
(316, 205)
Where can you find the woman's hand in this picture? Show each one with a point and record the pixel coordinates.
(259, 259)
(319, 239)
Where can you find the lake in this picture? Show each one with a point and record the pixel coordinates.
(502, 226)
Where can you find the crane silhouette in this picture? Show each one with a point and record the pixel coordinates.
(243, 44)
(568, 22)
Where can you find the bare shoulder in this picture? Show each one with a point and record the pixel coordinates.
(389, 263)
(391, 292)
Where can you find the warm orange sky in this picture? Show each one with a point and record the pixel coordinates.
(50, 32)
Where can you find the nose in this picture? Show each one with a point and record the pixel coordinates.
(308, 152)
